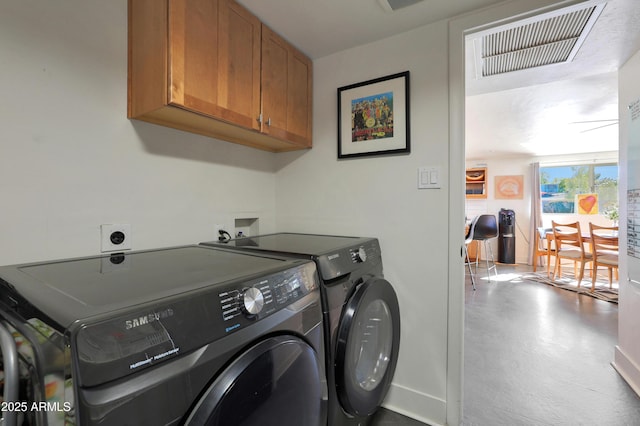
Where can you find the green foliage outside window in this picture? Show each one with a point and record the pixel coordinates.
(560, 185)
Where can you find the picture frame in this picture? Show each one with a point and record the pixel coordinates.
(373, 117)
(587, 203)
(509, 187)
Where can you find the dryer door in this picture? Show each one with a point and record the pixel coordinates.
(367, 347)
(275, 382)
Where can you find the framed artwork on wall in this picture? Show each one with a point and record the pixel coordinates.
(587, 203)
(509, 187)
(373, 117)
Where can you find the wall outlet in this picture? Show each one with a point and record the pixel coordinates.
(115, 237)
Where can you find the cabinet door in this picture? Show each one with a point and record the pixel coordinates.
(286, 90)
(239, 64)
(214, 60)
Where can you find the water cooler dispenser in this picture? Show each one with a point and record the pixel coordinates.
(506, 236)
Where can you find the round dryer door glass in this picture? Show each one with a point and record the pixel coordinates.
(367, 347)
(277, 382)
(370, 355)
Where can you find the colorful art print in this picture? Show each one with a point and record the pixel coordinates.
(587, 203)
(373, 117)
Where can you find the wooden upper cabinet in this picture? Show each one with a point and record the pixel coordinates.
(286, 90)
(476, 182)
(196, 65)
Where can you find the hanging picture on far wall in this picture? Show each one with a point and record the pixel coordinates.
(587, 203)
(373, 117)
(509, 187)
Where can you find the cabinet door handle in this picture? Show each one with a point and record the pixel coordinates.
(268, 123)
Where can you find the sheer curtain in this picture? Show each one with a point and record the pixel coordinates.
(536, 212)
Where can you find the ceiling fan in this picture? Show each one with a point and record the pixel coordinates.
(591, 125)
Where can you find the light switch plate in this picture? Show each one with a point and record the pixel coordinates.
(429, 177)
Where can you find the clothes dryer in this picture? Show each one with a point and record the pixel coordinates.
(188, 335)
(361, 316)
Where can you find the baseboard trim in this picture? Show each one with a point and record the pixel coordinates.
(417, 405)
(628, 369)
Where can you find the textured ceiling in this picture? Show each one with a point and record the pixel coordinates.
(320, 28)
(555, 109)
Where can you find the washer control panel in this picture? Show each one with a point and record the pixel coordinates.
(358, 255)
(255, 300)
(157, 332)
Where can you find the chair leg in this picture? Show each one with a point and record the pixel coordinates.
(489, 251)
(594, 275)
(473, 281)
(557, 268)
(581, 273)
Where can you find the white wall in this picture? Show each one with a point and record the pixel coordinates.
(70, 160)
(627, 354)
(379, 197)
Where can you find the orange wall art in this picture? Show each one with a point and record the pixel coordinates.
(587, 203)
(509, 187)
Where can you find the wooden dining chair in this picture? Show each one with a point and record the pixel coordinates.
(604, 247)
(543, 248)
(570, 246)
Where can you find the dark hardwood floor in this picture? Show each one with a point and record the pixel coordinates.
(539, 355)
(536, 355)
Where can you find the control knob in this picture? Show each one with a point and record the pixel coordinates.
(252, 301)
(360, 255)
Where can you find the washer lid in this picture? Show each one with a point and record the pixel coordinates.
(73, 289)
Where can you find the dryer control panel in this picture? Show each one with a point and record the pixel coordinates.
(151, 334)
(347, 260)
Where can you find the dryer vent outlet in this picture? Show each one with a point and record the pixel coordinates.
(115, 237)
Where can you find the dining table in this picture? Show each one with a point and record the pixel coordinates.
(586, 238)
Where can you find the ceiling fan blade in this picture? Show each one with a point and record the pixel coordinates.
(612, 121)
(599, 127)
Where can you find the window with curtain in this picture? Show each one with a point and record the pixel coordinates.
(583, 189)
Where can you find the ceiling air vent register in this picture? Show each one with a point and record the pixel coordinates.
(393, 5)
(543, 40)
